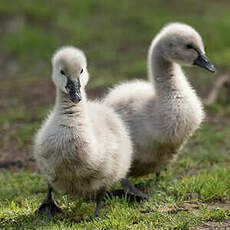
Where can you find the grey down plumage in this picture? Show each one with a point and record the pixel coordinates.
(81, 147)
(164, 112)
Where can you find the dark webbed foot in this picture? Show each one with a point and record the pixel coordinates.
(129, 191)
(48, 207)
(129, 188)
(99, 199)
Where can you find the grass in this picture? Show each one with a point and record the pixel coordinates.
(190, 193)
(194, 192)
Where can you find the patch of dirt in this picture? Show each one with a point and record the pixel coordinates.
(215, 205)
(214, 225)
(186, 206)
(193, 205)
(22, 158)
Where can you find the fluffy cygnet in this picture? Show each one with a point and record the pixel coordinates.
(83, 147)
(164, 112)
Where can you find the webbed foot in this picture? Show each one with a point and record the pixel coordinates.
(129, 188)
(48, 207)
(129, 191)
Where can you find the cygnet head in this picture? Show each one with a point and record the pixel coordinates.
(70, 73)
(182, 44)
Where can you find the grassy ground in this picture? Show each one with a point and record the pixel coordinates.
(195, 191)
(115, 35)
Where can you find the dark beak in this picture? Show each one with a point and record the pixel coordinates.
(73, 89)
(203, 62)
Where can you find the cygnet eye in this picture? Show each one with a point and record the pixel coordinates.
(62, 72)
(189, 46)
(81, 71)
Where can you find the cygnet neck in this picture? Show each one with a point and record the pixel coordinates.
(163, 73)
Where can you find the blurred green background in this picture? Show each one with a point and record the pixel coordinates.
(115, 36)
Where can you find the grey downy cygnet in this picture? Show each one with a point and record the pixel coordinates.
(83, 147)
(164, 112)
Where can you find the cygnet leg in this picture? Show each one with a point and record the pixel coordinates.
(48, 207)
(129, 188)
(99, 199)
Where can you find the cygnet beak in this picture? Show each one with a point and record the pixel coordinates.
(203, 62)
(73, 89)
